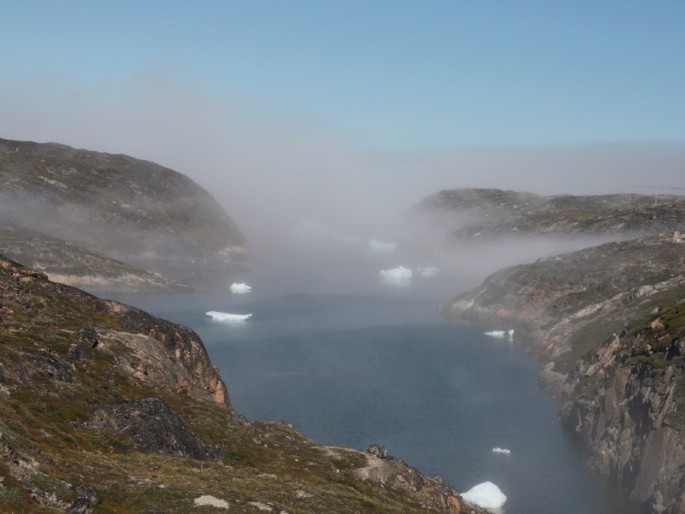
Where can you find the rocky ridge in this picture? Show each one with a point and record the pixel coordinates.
(115, 206)
(469, 215)
(609, 322)
(105, 408)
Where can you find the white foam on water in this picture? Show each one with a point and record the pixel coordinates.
(501, 450)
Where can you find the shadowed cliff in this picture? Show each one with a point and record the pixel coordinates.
(609, 322)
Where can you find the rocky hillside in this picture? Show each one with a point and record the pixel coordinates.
(115, 206)
(69, 263)
(104, 408)
(460, 215)
(609, 322)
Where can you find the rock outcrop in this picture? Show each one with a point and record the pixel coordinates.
(104, 407)
(115, 206)
(609, 322)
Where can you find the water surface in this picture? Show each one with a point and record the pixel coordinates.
(387, 369)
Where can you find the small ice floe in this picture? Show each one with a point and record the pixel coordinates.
(376, 246)
(240, 288)
(429, 271)
(501, 333)
(398, 277)
(501, 450)
(486, 495)
(228, 317)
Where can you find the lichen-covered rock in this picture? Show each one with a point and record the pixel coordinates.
(154, 427)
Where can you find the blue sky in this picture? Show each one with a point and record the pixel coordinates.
(390, 75)
(357, 99)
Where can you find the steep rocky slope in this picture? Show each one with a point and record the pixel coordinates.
(104, 408)
(117, 206)
(609, 322)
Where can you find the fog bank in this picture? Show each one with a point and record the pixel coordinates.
(296, 185)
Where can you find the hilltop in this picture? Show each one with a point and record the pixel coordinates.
(452, 217)
(124, 210)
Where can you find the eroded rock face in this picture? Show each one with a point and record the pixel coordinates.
(627, 406)
(159, 352)
(164, 353)
(609, 322)
(154, 427)
(392, 472)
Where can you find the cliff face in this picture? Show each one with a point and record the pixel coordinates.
(609, 323)
(115, 206)
(105, 408)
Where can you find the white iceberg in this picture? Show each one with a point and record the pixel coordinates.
(399, 277)
(228, 317)
(376, 246)
(501, 450)
(501, 333)
(486, 495)
(429, 271)
(241, 288)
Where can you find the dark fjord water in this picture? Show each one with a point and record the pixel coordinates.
(357, 370)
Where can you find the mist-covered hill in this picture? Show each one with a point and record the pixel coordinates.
(114, 206)
(457, 216)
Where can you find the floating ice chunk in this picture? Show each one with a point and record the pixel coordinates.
(429, 271)
(226, 316)
(241, 288)
(399, 277)
(501, 450)
(376, 246)
(486, 495)
(501, 333)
